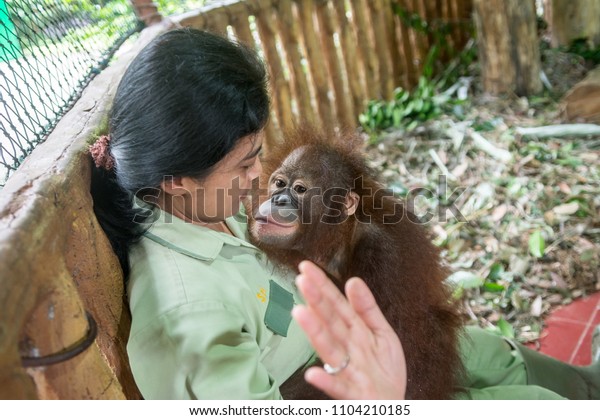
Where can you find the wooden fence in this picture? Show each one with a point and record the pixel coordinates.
(327, 58)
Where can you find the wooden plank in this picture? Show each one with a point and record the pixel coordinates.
(465, 12)
(382, 48)
(241, 27)
(240, 21)
(288, 29)
(197, 18)
(421, 40)
(410, 44)
(446, 13)
(216, 22)
(281, 87)
(350, 53)
(430, 15)
(407, 48)
(365, 44)
(454, 11)
(392, 31)
(315, 59)
(327, 30)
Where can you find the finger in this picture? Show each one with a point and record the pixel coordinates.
(333, 386)
(362, 300)
(327, 347)
(331, 303)
(323, 307)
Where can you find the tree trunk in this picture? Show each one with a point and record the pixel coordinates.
(508, 46)
(571, 20)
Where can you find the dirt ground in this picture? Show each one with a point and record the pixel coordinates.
(528, 235)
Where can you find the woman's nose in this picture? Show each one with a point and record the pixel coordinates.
(256, 170)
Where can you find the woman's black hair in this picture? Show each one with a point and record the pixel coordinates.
(181, 106)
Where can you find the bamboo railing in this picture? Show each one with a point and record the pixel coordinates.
(327, 58)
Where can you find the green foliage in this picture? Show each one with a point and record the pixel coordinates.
(170, 7)
(537, 244)
(506, 330)
(439, 31)
(463, 280)
(543, 152)
(41, 22)
(582, 48)
(407, 109)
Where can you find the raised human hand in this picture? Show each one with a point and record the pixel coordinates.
(352, 337)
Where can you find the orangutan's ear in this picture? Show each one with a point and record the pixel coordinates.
(352, 200)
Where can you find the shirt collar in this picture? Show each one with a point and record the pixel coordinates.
(196, 241)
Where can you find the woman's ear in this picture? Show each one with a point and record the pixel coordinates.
(175, 185)
(351, 204)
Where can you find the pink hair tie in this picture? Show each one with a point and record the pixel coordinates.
(101, 154)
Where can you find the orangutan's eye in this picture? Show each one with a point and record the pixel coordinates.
(300, 189)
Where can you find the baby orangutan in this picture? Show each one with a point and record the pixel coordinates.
(325, 205)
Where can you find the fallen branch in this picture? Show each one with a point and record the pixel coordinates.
(440, 164)
(481, 143)
(560, 130)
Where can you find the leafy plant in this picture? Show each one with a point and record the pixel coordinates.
(408, 109)
(404, 110)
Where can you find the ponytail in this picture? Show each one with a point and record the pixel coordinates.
(115, 211)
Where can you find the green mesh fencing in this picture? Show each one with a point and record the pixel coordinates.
(49, 51)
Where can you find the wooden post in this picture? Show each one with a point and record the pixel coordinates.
(240, 22)
(349, 51)
(365, 45)
(508, 46)
(290, 38)
(398, 69)
(571, 20)
(281, 88)
(327, 29)
(408, 49)
(315, 58)
(146, 11)
(382, 48)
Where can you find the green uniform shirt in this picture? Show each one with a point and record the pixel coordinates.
(198, 300)
(211, 320)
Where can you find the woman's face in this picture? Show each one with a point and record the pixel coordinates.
(218, 195)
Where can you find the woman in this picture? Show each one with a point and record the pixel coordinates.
(211, 318)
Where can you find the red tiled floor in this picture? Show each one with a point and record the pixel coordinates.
(580, 310)
(561, 337)
(568, 332)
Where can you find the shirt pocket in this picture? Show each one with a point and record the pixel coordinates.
(278, 315)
